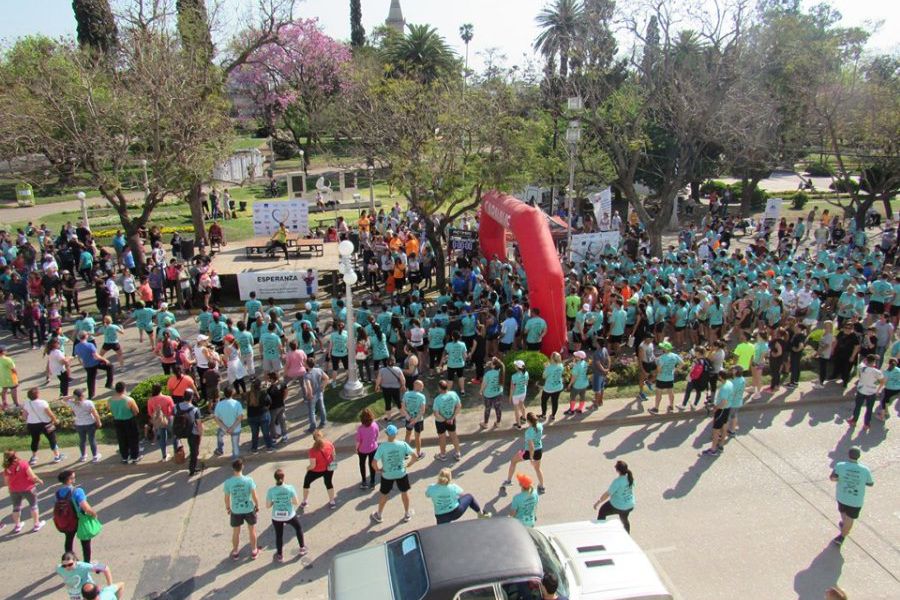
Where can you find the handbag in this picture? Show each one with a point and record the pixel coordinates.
(180, 457)
(88, 527)
(49, 427)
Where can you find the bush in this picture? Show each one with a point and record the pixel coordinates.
(799, 200)
(141, 392)
(819, 169)
(284, 150)
(534, 364)
(713, 185)
(842, 186)
(757, 200)
(815, 337)
(11, 422)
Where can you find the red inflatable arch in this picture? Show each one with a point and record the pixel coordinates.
(546, 289)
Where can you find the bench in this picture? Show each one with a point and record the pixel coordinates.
(333, 205)
(259, 246)
(309, 246)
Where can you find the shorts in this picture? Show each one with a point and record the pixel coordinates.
(533, 346)
(734, 412)
(505, 347)
(271, 365)
(648, 367)
(680, 327)
(444, 427)
(114, 347)
(720, 417)
(664, 385)
(850, 511)
(895, 310)
(538, 454)
(616, 339)
(598, 383)
(388, 484)
(659, 327)
(519, 399)
(239, 519)
(833, 293)
(875, 308)
(418, 426)
(454, 373)
(19, 497)
(149, 330)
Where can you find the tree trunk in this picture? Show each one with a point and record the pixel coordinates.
(864, 206)
(196, 203)
(133, 237)
(65, 173)
(436, 239)
(695, 191)
(654, 232)
(888, 211)
(748, 186)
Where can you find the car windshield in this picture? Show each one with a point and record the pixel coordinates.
(409, 579)
(550, 560)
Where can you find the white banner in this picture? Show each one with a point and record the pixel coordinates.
(281, 285)
(773, 209)
(589, 246)
(293, 213)
(602, 203)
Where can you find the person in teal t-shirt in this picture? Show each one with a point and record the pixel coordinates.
(535, 329)
(242, 504)
(413, 406)
(665, 376)
(533, 450)
(578, 384)
(524, 504)
(436, 337)
(143, 318)
(455, 354)
(283, 501)
(271, 348)
(450, 503)
(111, 333)
(618, 499)
(390, 460)
(891, 388)
(518, 390)
(852, 479)
(553, 385)
(492, 390)
(337, 346)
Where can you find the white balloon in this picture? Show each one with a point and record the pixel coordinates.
(345, 248)
(342, 268)
(351, 278)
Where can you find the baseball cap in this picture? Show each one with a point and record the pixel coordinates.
(202, 338)
(854, 452)
(524, 480)
(665, 346)
(391, 430)
(519, 364)
(229, 338)
(579, 354)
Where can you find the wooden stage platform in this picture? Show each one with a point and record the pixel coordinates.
(232, 259)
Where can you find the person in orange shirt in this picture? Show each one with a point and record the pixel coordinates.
(399, 274)
(395, 243)
(363, 222)
(412, 245)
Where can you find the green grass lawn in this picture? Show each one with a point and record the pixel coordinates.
(248, 142)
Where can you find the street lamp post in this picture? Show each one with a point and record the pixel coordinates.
(146, 179)
(272, 155)
(84, 217)
(354, 387)
(573, 136)
(372, 189)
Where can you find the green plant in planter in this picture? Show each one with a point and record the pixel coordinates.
(534, 364)
(141, 392)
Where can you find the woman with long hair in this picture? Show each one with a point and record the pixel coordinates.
(321, 465)
(21, 481)
(450, 503)
(492, 391)
(533, 451)
(366, 444)
(282, 499)
(553, 385)
(618, 499)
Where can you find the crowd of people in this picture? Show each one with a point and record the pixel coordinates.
(718, 314)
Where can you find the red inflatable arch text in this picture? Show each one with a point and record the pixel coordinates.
(546, 289)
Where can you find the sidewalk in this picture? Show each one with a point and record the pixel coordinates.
(615, 411)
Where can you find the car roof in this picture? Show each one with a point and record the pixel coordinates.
(466, 553)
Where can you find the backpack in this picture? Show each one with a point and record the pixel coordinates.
(167, 350)
(64, 516)
(183, 425)
(700, 372)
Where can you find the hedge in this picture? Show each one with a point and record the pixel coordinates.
(534, 364)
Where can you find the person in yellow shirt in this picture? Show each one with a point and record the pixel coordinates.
(278, 240)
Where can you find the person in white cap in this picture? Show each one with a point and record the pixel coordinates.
(578, 383)
(518, 389)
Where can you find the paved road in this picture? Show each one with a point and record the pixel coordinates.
(753, 523)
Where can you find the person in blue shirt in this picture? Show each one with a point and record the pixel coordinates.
(111, 332)
(578, 384)
(492, 390)
(852, 478)
(533, 451)
(450, 503)
(553, 385)
(413, 407)
(618, 499)
(665, 376)
(391, 461)
(251, 307)
(92, 362)
(891, 388)
(524, 504)
(721, 413)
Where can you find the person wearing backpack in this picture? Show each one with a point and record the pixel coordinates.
(698, 376)
(124, 411)
(165, 350)
(188, 424)
(71, 507)
(160, 412)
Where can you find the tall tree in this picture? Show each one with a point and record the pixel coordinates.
(561, 24)
(357, 31)
(193, 26)
(466, 34)
(96, 26)
(420, 54)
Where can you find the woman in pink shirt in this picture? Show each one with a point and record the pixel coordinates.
(160, 411)
(295, 366)
(21, 481)
(366, 444)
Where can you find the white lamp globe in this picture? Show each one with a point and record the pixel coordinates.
(351, 278)
(345, 248)
(81, 195)
(342, 268)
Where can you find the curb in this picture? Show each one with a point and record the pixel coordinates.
(209, 462)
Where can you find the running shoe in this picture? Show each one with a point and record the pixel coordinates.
(376, 517)
(304, 504)
(18, 528)
(37, 526)
(32, 461)
(408, 516)
(363, 486)
(421, 455)
(851, 422)
(568, 413)
(254, 554)
(441, 457)
(642, 396)
(484, 515)
(59, 458)
(866, 428)
(332, 505)
(838, 540)
(654, 411)
(98, 457)
(279, 558)
(82, 458)
(541, 489)
(303, 551)
(506, 482)
(457, 457)
(710, 452)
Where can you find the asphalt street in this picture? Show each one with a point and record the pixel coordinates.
(755, 522)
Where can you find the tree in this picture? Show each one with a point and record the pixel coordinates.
(357, 31)
(96, 26)
(561, 24)
(193, 26)
(151, 106)
(421, 54)
(466, 34)
(444, 150)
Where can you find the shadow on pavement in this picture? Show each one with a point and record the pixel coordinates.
(823, 572)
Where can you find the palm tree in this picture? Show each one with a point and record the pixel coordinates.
(421, 53)
(560, 24)
(465, 32)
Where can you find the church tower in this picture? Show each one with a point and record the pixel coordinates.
(395, 18)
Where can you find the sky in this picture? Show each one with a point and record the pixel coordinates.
(507, 25)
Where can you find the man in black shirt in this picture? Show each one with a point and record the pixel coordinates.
(846, 349)
(277, 392)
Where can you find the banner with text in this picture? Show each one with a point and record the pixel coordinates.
(281, 285)
(462, 239)
(293, 213)
(602, 203)
(589, 246)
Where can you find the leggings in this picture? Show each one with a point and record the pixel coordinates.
(478, 361)
(494, 403)
(313, 475)
(391, 396)
(554, 402)
(869, 401)
(364, 458)
(607, 509)
(466, 501)
(823, 370)
(775, 365)
(886, 397)
(36, 429)
(85, 546)
(692, 386)
(279, 532)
